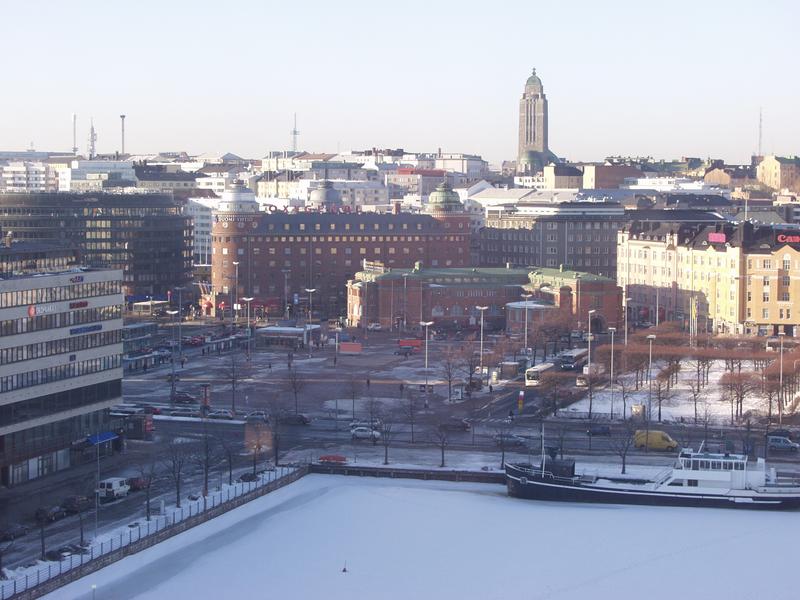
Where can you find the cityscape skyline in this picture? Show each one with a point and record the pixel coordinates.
(203, 92)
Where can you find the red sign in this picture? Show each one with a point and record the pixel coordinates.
(31, 311)
(718, 238)
(81, 304)
(782, 238)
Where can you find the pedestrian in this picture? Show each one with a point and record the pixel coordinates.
(269, 366)
(183, 361)
(367, 382)
(145, 367)
(334, 360)
(491, 389)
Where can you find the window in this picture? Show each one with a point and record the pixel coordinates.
(765, 313)
(767, 263)
(787, 263)
(765, 281)
(785, 297)
(224, 251)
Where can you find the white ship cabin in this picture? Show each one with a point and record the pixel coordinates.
(718, 470)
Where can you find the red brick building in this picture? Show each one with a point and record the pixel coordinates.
(281, 254)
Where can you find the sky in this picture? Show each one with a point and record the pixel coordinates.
(683, 78)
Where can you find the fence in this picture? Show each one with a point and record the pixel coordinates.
(403, 473)
(106, 549)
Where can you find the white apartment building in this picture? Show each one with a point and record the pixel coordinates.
(60, 368)
(28, 176)
(353, 192)
(201, 210)
(93, 175)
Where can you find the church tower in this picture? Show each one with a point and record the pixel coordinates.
(534, 152)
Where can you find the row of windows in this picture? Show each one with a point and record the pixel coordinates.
(50, 374)
(337, 238)
(52, 347)
(65, 319)
(60, 293)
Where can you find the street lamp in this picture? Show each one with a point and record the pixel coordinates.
(612, 331)
(180, 321)
(249, 335)
(650, 339)
(781, 335)
(405, 301)
(589, 358)
(481, 309)
(286, 292)
(426, 324)
(578, 304)
(310, 292)
(627, 301)
(172, 359)
(236, 293)
(526, 297)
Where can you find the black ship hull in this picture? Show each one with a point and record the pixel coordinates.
(527, 483)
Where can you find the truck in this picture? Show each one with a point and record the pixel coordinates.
(410, 343)
(113, 488)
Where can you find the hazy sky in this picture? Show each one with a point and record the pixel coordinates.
(651, 78)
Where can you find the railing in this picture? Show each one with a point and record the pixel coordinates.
(33, 582)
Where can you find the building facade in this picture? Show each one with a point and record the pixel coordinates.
(534, 151)
(146, 236)
(275, 256)
(780, 172)
(724, 278)
(60, 362)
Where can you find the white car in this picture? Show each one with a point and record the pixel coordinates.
(223, 413)
(365, 433)
(113, 487)
(374, 424)
(374, 327)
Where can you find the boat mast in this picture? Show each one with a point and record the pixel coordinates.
(542, 448)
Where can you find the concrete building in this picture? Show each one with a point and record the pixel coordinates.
(164, 180)
(534, 151)
(780, 172)
(28, 176)
(414, 181)
(724, 278)
(96, 175)
(562, 177)
(60, 360)
(201, 212)
(146, 236)
(471, 165)
(603, 177)
(218, 178)
(731, 176)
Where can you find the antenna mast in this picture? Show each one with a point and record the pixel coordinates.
(295, 134)
(760, 129)
(92, 139)
(74, 133)
(122, 120)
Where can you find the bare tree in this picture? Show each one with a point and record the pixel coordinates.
(177, 455)
(387, 435)
(229, 452)
(697, 392)
(553, 385)
(232, 374)
(295, 383)
(502, 434)
(146, 468)
(662, 391)
(737, 387)
(277, 414)
(622, 444)
(470, 361)
(626, 389)
(256, 438)
(411, 410)
(450, 369)
(5, 549)
(441, 438)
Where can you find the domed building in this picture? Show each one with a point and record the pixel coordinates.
(238, 199)
(444, 201)
(324, 197)
(534, 152)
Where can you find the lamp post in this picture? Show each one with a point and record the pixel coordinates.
(578, 303)
(310, 292)
(612, 331)
(180, 321)
(426, 324)
(481, 309)
(526, 297)
(627, 301)
(236, 293)
(589, 358)
(781, 335)
(249, 334)
(650, 339)
(285, 292)
(405, 301)
(172, 313)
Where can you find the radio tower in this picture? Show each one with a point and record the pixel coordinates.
(74, 134)
(295, 134)
(92, 139)
(760, 127)
(122, 120)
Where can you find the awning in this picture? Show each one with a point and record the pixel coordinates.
(101, 438)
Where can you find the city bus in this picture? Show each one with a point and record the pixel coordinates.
(533, 375)
(574, 359)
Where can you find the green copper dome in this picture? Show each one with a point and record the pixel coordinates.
(534, 80)
(444, 199)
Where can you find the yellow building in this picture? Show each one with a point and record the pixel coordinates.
(780, 172)
(724, 279)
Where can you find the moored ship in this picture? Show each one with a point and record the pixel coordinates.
(701, 478)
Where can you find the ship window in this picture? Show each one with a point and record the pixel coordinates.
(695, 465)
(739, 466)
(704, 464)
(716, 465)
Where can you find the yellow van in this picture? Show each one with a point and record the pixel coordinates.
(654, 439)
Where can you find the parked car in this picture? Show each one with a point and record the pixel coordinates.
(257, 416)
(365, 433)
(184, 398)
(222, 413)
(58, 555)
(455, 425)
(298, 419)
(374, 327)
(598, 429)
(75, 504)
(369, 424)
(137, 483)
(183, 412)
(782, 443)
(12, 531)
(163, 352)
(55, 513)
(404, 351)
(151, 410)
(248, 476)
(510, 440)
(113, 488)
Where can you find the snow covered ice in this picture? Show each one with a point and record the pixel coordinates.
(419, 539)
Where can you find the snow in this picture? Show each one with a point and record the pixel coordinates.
(421, 539)
(680, 404)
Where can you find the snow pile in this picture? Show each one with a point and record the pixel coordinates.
(415, 539)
